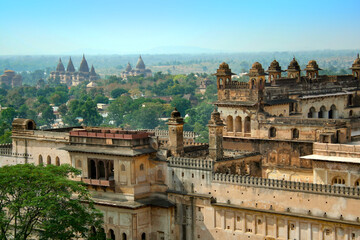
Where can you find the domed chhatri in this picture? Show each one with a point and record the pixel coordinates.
(256, 65)
(224, 65)
(312, 65)
(256, 70)
(274, 66)
(175, 114)
(294, 65)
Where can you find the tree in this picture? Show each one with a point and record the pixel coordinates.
(181, 104)
(42, 202)
(117, 92)
(47, 116)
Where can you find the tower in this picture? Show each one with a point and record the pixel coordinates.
(216, 127)
(274, 71)
(84, 67)
(356, 68)
(293, 70)
(257, 77)
(140, 63)
(70, 66)
(60, 66)
(312, 69)
(223, 75)
(176, 126)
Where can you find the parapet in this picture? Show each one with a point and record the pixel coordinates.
(351, 192)
(193, 163)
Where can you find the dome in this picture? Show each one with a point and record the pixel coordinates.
(60, 66)
(175, 114)
(312, 65)
(224, 65)
(140, 63)
(294, 65)
(274, 66)
(257, 65)
(84, 67)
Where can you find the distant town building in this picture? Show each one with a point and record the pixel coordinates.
(139, 70)
(72, 78)
(203, 85)
(10, 79)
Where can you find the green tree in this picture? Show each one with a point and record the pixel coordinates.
(8, 115)
(47, 116)
(181, 104)
(117, 92)
(38, 201)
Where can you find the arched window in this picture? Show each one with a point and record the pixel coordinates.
(159, 174)
(338, 181)
(111, 170)
(322, 112)
(357, 183)
(238, 124)
(350, 113)
(312, 113)
(112, 234)
(48, 161)
(41, 162)
(30, 126)
(92, 169)
(272, 132)
(124, 237)
(220, 82)
(122, 167)
(253, 83)
(101, 167)
(247, 125)
(57, 161)
(227, 81)
(141, 167)
(332, 112)
(143, 236)
(229, 124)
(295, 133)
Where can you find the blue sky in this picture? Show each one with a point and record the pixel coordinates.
(138, 26)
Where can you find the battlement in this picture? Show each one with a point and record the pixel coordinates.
(190, 163)
(237, 85)
(287, 185)
(165, 133)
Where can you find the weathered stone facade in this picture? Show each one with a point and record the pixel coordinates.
(262, 175)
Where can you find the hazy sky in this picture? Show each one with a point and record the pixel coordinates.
(137, 26)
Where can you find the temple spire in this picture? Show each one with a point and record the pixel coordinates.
(92, 71)
(140, 63)
(60, 66)
(84, 67)
(70, 67)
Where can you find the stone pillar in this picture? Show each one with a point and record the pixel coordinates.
(176, 125)
(216, 127)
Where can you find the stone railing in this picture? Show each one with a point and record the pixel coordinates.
(338, 150)
(6, 149)
(237, 85)
(287, 185)
(98, 182)
(190, 163)
(165, 133)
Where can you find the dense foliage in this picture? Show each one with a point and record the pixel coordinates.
(42, 201)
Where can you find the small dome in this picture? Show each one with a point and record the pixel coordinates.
(256, 65)
(175, 114)
(274, 66)
(294, 65)
(224, 65)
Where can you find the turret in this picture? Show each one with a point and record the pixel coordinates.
(60, 66)
(293, 70)
(356, 68)
(140, 63)
(274, 71)
(84, 67)
(223, 75)
(70, 66)
(216, 127)
(176, 125)
(312, 69)
(257, 76)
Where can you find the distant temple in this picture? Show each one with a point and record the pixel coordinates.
(139, 70)
(72, 78)
(10, 79)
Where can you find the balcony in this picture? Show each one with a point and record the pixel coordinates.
(98, 182)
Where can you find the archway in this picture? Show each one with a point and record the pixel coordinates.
(229, 124)
(92, 169)
(143, 236)
(322, 112)
(295, 133)
(247, 127)
(48, 161)
(57, 161)
(312, 113)
(101, 169)
(238, 124)
(333, 112)
(272, 132)
(41, 162)
(112, 234)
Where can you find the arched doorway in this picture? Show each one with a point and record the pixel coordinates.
(112, 234)
(247, 127)
(333, 112)
(92, 169)
(143, 236)
(101, 169)
(238, 124)
(229, 124)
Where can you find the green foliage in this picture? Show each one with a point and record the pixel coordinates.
(42, 201)
(47, 115)
(117, 92)
(83, 108)
(181, 104)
